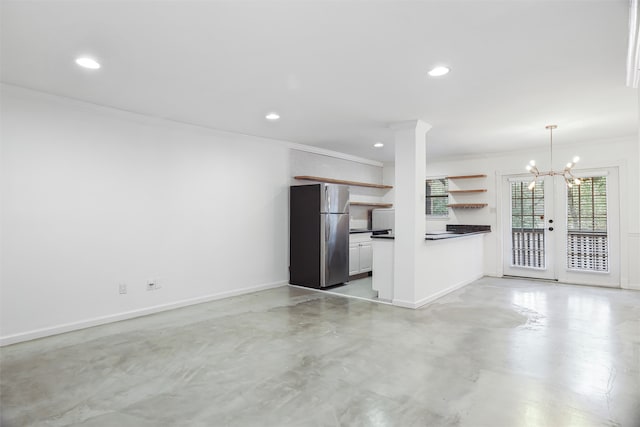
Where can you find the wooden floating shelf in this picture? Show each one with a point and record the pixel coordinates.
(467, 191)
(467, 205)
(341, 181)
(466, 176)
(377, 205)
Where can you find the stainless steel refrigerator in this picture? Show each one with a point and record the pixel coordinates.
(318, 235)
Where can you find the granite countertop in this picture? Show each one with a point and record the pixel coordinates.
(453, 231)
(368, 230)
(451, 234)
(383, 236)
(435, 236)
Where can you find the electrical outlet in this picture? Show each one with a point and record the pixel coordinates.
(153, 285)
(122, 288)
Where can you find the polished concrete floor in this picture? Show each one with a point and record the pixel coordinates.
(500, 353)
(359, 288)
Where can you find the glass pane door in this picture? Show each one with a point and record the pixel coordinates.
(528, 251)
(569, 234)
(590, 248)
(527, 226)
(587, 242)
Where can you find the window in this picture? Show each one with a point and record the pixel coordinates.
(587, 243)
(437, 197)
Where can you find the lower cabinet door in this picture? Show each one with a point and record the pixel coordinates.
(354, 259)
(366, 257)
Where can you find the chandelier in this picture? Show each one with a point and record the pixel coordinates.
(569, 178)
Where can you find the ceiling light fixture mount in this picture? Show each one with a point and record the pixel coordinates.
(272, 116)
(86, 62)
(378, 145)
(568, 176)
(439, 71)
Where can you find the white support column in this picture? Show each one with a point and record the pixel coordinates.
(410, 173)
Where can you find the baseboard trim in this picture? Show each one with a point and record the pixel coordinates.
(431, 298)
(96, 321)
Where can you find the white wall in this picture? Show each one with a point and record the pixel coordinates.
(463, 258)
(94, 197)
(348, 168)
(634, 237)
(389, 178)
(620, 153)
(318, 164)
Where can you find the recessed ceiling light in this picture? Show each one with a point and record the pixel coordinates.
(88, 63)
(378, 145)
(272, 116)
(439, 71)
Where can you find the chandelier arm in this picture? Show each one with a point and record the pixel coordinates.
(572, 178)
(569, 178)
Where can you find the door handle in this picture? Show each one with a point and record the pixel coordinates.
(327, 201)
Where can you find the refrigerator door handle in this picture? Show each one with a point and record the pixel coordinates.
(327, 231)
(327, 199)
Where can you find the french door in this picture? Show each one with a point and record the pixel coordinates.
(555, 232)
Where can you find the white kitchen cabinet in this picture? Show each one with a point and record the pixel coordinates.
(366, 257)
(360, 253)
(354, 258)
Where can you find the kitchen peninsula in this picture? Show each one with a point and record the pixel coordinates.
(449, 260)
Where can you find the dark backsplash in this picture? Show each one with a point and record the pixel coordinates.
(464, 228)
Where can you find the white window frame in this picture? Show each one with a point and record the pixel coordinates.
(432, 216)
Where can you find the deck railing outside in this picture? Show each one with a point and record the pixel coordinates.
(586, 250)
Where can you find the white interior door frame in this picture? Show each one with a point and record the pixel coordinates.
(616, 224)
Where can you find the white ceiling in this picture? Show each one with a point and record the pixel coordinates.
(339, 72)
